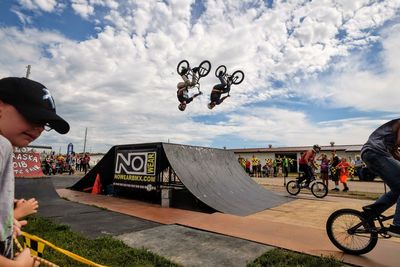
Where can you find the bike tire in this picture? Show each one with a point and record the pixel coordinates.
(182, 64)
(204, 68)
(319, 190)
(292, 188)
(220, 68)
(339, 229)
(238, 77)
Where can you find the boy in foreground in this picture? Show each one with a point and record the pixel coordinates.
(26, 109)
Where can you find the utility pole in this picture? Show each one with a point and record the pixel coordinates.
(28, 71)
(84, 143)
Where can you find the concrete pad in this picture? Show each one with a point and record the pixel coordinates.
(191, 247)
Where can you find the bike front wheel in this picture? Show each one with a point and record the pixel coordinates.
(350, 232)
(319, 190)
(237, 77)
(221, 69)
(292, 187)
(204, 68)
(184, 64)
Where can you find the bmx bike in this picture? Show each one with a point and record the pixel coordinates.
(352, 232)
(204, 69)
(318, 189)
(235, 78)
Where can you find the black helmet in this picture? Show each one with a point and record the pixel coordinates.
(315, 147)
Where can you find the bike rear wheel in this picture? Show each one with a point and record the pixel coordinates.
(181, 65)
(219, 69)
(237, 77)
(292, 187)
(204, 68)
(319, 190)
(350, 232)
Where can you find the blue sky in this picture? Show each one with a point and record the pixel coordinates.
(315, 71)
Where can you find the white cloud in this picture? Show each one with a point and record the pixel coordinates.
(45, 5)
(121, 84)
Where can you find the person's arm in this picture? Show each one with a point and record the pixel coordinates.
(223, 98)
(396, 129)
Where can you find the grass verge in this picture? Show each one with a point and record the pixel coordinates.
(104, 250)
(285, 258)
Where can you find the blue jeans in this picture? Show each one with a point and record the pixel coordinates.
(388, 169)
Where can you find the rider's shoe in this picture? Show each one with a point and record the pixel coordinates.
(183, 71)
(346, 189)
(335, 189)
(195, 69)
(394, 230)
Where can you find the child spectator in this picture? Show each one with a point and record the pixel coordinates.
(26, 109)
(343, 166)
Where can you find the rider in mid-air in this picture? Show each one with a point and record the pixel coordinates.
(219, 89)
(183, 88)
(382, 156)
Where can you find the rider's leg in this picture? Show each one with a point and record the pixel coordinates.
(388, 169)
(194, 79)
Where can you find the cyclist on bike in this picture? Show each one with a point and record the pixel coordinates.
(219, 89)
(382, 156)
(183, 88)
(306, 164)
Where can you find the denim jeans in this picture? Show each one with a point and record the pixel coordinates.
(388, 169)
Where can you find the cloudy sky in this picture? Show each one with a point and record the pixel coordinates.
(315, 71)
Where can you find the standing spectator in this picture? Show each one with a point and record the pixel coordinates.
(285, 165)
(324, 169)
(358, 165)
(85, 163)
(334, 171)
(248, 164)
(343, 166)
(254, 164)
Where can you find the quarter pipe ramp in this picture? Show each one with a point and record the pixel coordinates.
(212, 175)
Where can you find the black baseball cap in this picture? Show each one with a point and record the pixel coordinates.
(33, 100)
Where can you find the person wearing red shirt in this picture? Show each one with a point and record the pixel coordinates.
(306, 163)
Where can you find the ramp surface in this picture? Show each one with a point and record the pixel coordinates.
(215, 177)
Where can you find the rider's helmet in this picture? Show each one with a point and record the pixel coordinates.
(316, 148)
(182, 106)
(211, 105)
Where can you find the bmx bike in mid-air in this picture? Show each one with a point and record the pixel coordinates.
(203, 70)
(235, 78)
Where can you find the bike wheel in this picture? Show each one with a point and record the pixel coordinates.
(204, 68)
(349, 232)
(237, 77)
(220, 68)
(319, 189)
(292, 188)
(181, 65)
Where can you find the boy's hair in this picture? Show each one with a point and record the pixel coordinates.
(33, 101)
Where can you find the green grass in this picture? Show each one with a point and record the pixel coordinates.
(104, 250)
(284, 258)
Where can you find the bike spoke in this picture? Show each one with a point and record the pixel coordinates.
(350, 240)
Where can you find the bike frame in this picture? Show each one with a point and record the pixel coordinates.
(381, 229)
